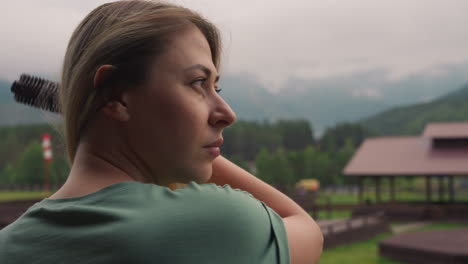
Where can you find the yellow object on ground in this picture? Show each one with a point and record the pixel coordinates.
(308, 184)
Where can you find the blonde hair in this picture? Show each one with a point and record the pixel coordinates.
(128, 34)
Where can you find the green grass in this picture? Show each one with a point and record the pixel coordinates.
(337, 198)
(366, 252)
(334, 214)
(351, 198)
(22, 195)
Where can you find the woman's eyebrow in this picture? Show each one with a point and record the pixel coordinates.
(203, 68)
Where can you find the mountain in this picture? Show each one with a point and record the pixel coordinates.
(411, 119)
(5, 95)
(322, 107)
(326, 103)
(353, 97)
(323, 102)
(250, 100)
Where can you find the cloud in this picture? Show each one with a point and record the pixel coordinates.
(368, 93)
(34, 35)
(316, 39)
(271, 39)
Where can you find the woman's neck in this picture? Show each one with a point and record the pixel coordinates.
(93, 169)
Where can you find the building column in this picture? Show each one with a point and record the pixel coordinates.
(377, 189)
(428, 189)
(441, 188)
(392, 188)
(360, 188)
(451, 189)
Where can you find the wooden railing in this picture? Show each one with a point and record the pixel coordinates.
(26, 187)
(354, 229)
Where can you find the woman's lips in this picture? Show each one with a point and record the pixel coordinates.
(215, 143)
(213, 148)
(215, 151)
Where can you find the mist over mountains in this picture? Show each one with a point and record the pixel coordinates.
(348, 98)
(324, 102)
(412, 119)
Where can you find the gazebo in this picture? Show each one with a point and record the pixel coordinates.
(440, 153)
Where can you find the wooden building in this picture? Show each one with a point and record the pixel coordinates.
(439, 154)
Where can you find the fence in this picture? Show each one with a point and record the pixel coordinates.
(309, 204)
(343, 231)
(26, 187)
(354, 229)
(11, 210)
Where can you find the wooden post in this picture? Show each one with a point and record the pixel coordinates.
(392, 188)
(47, 151)
(46, 177)
(441, 188)
(377, 189)
(329, 208)
(451, 189)
(360, 189)
(314, 212)
(428, 189)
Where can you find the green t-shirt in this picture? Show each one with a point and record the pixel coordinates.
(132, 222)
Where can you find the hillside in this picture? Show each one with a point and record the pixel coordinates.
(411, 119)
(323, 102)
(5, 94)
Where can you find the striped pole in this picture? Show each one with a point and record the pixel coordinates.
(47, 158)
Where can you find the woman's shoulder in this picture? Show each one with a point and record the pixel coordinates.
(208, 197)
(208, 204)
(225, 199)
(208, 190)
(222, 221)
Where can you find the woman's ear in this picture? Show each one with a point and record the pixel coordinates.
(102, 75)
(116, 108)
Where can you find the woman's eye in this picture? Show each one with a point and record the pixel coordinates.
(198, 82)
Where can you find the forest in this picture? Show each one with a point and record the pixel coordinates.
(280, 153)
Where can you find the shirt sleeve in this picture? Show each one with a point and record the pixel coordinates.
(231, 226)
(279, 232)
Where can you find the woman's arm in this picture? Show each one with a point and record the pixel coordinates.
(304, 236)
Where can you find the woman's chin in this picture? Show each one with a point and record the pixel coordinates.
(199, 175)
(202, 178)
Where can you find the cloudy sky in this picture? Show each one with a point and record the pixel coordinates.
(272, 40)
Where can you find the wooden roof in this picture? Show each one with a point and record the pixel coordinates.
(387, 156)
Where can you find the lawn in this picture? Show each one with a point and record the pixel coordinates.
(352, 198)
(366, 252)
(22, 195)
(333, 214)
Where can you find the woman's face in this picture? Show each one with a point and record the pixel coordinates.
(177, 117)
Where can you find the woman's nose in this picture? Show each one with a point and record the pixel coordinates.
(222, 115)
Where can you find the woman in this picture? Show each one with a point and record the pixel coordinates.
(141, 109)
